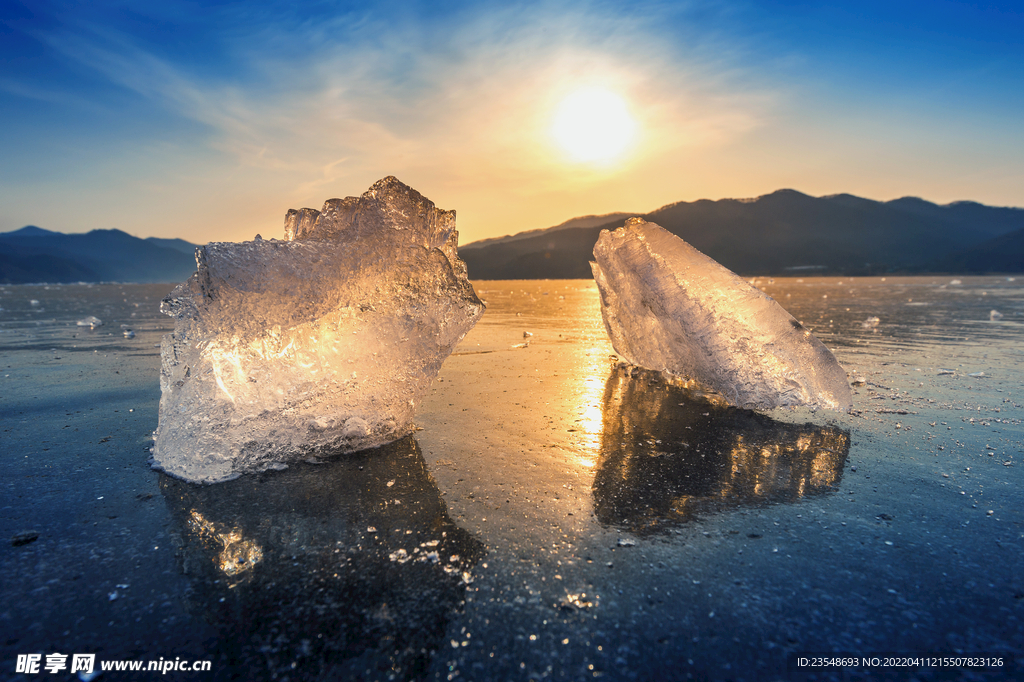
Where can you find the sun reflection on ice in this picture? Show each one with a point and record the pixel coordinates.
(237, 555)
(590, 425)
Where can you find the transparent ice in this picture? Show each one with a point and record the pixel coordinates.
(318, 345)
(668, 307)
(92, 321)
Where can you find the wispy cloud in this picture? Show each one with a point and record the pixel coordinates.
(458, 103)
(470, 97)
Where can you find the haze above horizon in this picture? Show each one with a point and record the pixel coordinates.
(209, 122)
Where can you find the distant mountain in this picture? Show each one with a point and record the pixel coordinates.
(30, 231)
(1002, 254)
(779, 233)
(176, 244)
(582, 221)
(32, 254)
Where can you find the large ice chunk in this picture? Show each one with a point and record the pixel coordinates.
(669, 307)
(321, 344)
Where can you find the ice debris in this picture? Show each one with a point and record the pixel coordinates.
(995, 315)
(318, 345)
(91, 322)
(668, 307)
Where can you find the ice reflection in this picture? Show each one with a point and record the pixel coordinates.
(345, 570)
(668, 454)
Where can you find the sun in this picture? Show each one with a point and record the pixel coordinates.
(593, 125)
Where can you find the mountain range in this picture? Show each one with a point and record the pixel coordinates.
(785, 232)
(32, 254)
(782, 233)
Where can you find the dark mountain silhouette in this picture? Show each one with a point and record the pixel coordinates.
(785, 232)
(582, 221)
(32, 254)
(30, 231)
(176, 244)
(1002, 254)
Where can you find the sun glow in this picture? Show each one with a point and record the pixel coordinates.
(593, 125)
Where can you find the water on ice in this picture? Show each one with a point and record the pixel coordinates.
(668, 307)
(321, 344)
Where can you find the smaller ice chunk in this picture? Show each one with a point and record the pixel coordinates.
(668, 307)
(995, 315)
(92, 322)
(870, 323)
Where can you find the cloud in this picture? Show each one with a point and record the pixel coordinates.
(480, 83)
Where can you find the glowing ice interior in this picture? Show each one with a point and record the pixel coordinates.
(668, 307)
(317, 345)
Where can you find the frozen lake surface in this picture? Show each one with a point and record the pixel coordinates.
(556, 517)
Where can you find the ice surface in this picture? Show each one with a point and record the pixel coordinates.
(668, 307)
(321, 344)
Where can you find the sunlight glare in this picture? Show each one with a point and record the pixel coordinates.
(593, 125)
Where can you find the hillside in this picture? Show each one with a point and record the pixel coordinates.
(785, 232)
(32, 254)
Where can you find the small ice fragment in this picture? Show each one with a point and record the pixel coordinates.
(946, 371)
(670, 308)
(24, 538)
(92, 322)
(129, 334)
(870, 323)
(112, 596)
(995, 315)
(371, 529)
(976, 374)
(626, 542)
(955, 281)
(527, 335)
(34, 303)
(858, 380)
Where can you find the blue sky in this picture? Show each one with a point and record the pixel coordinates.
(208, 121)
